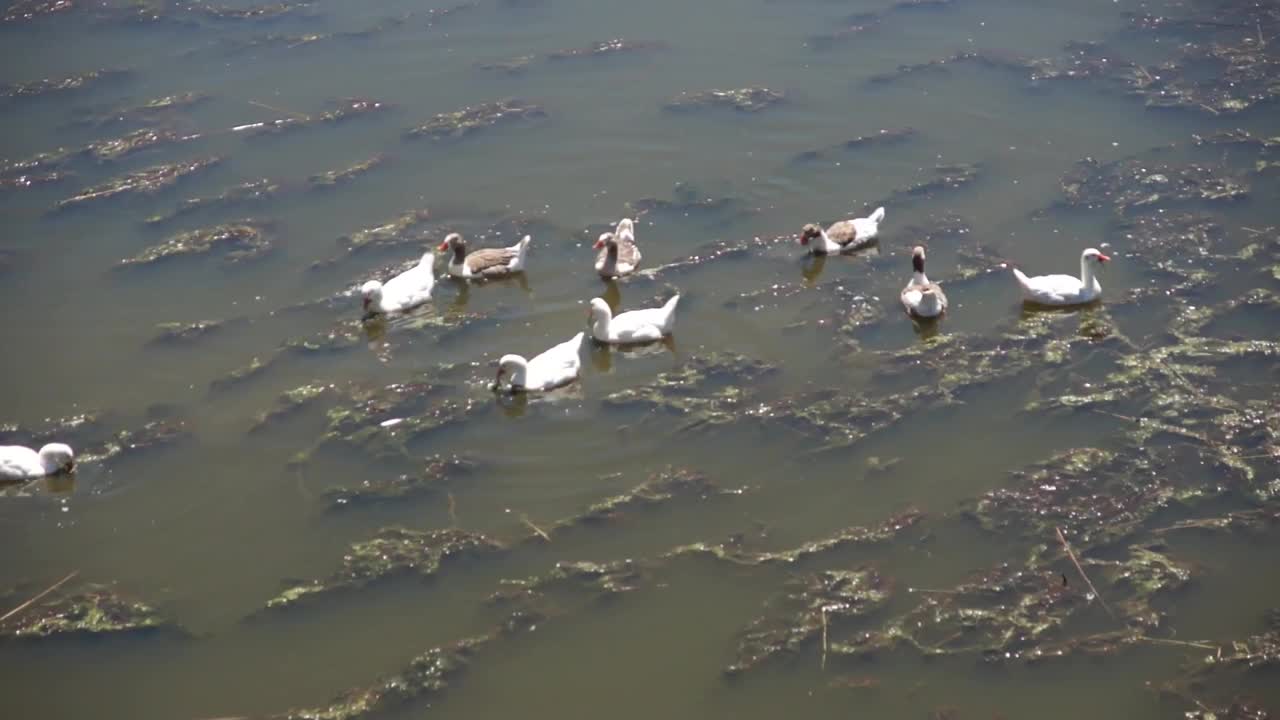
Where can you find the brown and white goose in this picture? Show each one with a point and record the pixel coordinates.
(485, 264)
(844, 236)
(921, 298)
(618, 255)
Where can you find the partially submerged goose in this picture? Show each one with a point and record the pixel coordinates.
(844, 236)
(635, 326)
(549, 370)
(1064, 289)
(487, 263)
(402, 292)
(618, 255)
(23, 463)
(921, 298)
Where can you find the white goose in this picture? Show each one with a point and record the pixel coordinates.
(402, 292)
(844, 236)
(1064, 289)
(635, 326)
(549, 370)
(486, 263)
(921, 298)
(619, 255)
(23, 463)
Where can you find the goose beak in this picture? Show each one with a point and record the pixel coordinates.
(443, 246)
(1103, 258)
(598, 244)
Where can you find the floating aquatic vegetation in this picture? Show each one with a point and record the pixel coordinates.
(605, 47)
(133, 142)
(945, 177)
(348, 108)
(840, 420)
(148, 181)
(94, 440)
(661, 487)
(468, 120)
(175, 333)
(46, 86)
(749, 99)
(1098, 498)
(851, 27)
(21, 11)
(600, 581)
(881, 138)
(93, 611)
(735, 551)
(398, 232)
(706, 389)
(392, 552)
(439, 472)
(238, 241)
(333, 178)
(251, 192)
(1236, 137)
(1022, 614)
(435, 16)
(427, 675)
(29, 180)
(687, 200)
(272, 11)
(127, 443)
(146, 112)
(1134, 183)
(802, 617)
(510, 66)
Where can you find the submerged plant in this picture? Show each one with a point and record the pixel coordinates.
(468, 120)
(749, 99)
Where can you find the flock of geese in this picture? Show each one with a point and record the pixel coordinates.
(618, 256)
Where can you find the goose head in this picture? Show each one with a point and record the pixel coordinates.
(599, 312)
(609, 239)
(57, 457)
(371, 292)
(454, 242)
(512, 366)
(809, 232)
(917, 259)
(1093, 255)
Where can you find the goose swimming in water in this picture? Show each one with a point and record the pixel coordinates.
(23, 463)
(635, 326)
(1064, 289)
(484, 264)
(618, 255)
(844, 236)
(922, 298)
(402, 292)
(548, 370)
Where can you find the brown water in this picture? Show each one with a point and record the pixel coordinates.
(208, 529)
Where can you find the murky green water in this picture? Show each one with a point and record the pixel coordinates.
(828, 409)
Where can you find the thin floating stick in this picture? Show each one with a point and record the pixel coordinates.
(824, 637)
(1067, 546)
(47, 590)
(453, 510)
(280, 110)
(525, 519)
(1182, 643)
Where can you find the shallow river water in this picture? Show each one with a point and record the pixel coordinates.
(803, 503)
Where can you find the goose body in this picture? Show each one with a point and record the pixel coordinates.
(1064, 289)
(844, 236)
(548, 370)
(402, 292)
(922, 298)
(635, 326)
(487, 263)
(619, 256)
(23, 463)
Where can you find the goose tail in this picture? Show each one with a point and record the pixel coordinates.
(669, 313)
(877, 217)
(522, 251)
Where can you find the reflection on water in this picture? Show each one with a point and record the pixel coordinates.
(781, 471)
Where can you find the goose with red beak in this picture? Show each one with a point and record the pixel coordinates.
(1065, 289)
